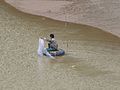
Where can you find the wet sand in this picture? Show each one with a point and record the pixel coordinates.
(97, 13)
(91, 61)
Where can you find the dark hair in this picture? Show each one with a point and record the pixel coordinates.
(52, 35)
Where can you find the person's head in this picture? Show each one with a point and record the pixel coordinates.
(52, 35)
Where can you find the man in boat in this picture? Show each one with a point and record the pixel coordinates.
(52, 45)
(52, 49)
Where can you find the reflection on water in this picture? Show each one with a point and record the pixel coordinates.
(91, 59)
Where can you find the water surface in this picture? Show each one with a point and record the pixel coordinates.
(91, 61)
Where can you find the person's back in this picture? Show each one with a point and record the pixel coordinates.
(52, 43)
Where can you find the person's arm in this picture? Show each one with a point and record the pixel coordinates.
(46, 39)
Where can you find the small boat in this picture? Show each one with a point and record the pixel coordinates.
(59, 52)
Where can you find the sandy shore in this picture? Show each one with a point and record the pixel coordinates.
(101, 14)
(92, 60)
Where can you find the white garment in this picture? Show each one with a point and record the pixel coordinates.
(41, 47)
(42, 50)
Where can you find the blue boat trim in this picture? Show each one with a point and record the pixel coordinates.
(59, 52)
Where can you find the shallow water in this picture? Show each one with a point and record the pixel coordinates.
(91, 61)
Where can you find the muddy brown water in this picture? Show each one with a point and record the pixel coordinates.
(92, 60)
